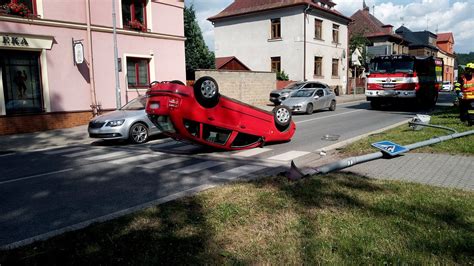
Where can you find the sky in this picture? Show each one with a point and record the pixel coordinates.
(440, 16)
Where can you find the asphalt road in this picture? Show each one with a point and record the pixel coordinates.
(45, 193)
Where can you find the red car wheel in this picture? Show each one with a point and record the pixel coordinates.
(282, 117)
(206, 92)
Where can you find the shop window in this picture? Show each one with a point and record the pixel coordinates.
(134, 14)
(192, 127)
(276, 64)
(244, 140)
(276, 28)
(21, 82)
(215, 134)
(24, 8)
(138, 72)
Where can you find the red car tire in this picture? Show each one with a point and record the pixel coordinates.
(282, 117)
(206, 92)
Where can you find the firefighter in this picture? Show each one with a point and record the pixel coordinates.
(465, 91)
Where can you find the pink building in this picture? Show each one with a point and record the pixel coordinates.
(45, 84)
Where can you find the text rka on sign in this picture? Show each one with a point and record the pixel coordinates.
(14, 41)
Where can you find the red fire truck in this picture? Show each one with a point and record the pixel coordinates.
(397, 78)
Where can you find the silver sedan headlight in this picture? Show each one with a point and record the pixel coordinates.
(115, 123)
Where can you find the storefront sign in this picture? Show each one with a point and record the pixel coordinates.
(27, 42)
(14, 41)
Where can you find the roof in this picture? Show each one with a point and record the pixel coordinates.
(222, 61)
(368, 25)
(416, 38)
(445, 37)
(243, 7)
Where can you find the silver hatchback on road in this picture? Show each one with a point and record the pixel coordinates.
(129, 122)
(308, 100)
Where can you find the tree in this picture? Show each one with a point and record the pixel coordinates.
(197, 53)
(359, 41)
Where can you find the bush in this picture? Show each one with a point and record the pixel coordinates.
(281, 75)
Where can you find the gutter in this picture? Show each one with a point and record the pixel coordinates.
(91, 61)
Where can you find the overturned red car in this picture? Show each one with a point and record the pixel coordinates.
(200, 114)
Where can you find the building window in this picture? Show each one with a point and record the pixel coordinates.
(335, 67)
(276, 64)
(318, 66)
(276, 28)
(21, 82)
(138, 72)
(335, 33)
(318, 29)
(134, 14)
(19, 7)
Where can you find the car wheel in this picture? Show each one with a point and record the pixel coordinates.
(309, 108)
(332, 107)
(177, 82)
(282, 117)
(206, 92)
(138, 133)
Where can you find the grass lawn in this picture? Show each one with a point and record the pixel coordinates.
(403, 135)
(337, 218)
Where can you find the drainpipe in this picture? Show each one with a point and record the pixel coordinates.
(94, 105)
(304, 42)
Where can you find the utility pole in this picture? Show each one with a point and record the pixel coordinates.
(118, 97)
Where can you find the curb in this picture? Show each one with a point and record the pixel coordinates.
(354, 139)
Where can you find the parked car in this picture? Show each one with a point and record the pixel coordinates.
(278, 96)
(447, 86)
(200, 114)
(129, 123)
(309, 99)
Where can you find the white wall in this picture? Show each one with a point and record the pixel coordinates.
(248, 38)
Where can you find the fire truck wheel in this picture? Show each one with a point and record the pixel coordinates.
(375, 104)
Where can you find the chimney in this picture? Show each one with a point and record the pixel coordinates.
(388, 28)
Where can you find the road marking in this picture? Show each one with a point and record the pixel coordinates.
(288, 156)
(54, 152)
(165, 162)
(319, 118)
(197, 167)
(34, 176)
(186, 148)
(252, 152)
(107, 156)
(166, 144)
(81, 153)
(134, 158)
(238, 172)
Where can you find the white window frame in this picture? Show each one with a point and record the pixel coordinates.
(151, 65)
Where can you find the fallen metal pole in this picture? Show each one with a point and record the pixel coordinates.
(295, 173)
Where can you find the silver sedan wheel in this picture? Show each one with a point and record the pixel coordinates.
(138, 133)
(208, 89)
(283, 115)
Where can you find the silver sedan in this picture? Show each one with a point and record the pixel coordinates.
(308, 100)
(129, 122)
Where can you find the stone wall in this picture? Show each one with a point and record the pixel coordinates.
(249, 87)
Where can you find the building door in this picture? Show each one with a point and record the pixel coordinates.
(21, 81)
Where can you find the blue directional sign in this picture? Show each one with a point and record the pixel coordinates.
(389, 147)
